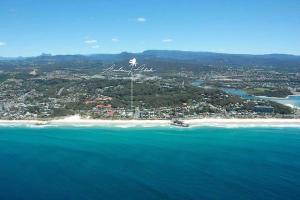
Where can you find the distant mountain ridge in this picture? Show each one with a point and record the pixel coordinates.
(204, 58)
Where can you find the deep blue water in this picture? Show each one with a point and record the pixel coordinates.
(152, 163)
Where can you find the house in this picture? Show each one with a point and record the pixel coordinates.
(263, 109)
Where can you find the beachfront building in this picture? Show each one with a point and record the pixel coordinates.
(263, 109)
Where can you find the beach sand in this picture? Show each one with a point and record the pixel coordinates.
(233, 122)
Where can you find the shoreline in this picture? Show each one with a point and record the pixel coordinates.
(76, 121)
(280, 98)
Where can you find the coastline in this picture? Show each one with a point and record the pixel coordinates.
(215, 122)
(278, 98)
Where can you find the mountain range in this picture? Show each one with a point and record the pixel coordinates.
(204, 58)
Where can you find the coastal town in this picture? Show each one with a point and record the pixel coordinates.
(30, 91)
(149, 100)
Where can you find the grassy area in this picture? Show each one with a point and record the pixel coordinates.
(269, 92)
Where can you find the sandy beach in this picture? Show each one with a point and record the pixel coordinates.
(233, 122)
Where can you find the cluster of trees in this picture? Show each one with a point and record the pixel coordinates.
(278, 108)
(270, 92)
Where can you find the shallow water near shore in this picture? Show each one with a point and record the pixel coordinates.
(149, 163)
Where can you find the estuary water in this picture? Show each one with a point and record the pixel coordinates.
(149, 163)
(292, 100)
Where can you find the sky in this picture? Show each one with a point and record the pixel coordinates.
(32, 27)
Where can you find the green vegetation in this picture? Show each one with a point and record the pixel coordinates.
(269, 92)
(68, 87)
(281, 109)
(3, 77)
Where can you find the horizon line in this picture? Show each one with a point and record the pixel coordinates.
(140, 52)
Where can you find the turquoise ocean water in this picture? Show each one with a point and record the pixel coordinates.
(149, 163)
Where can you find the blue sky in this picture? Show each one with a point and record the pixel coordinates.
(32, 27)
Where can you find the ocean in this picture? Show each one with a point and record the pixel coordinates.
(149, 163)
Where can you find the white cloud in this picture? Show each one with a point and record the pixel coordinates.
(2, 44)
(141, 19)
(167, 40)
(95, 46)
(115, 40)
(91, 41)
